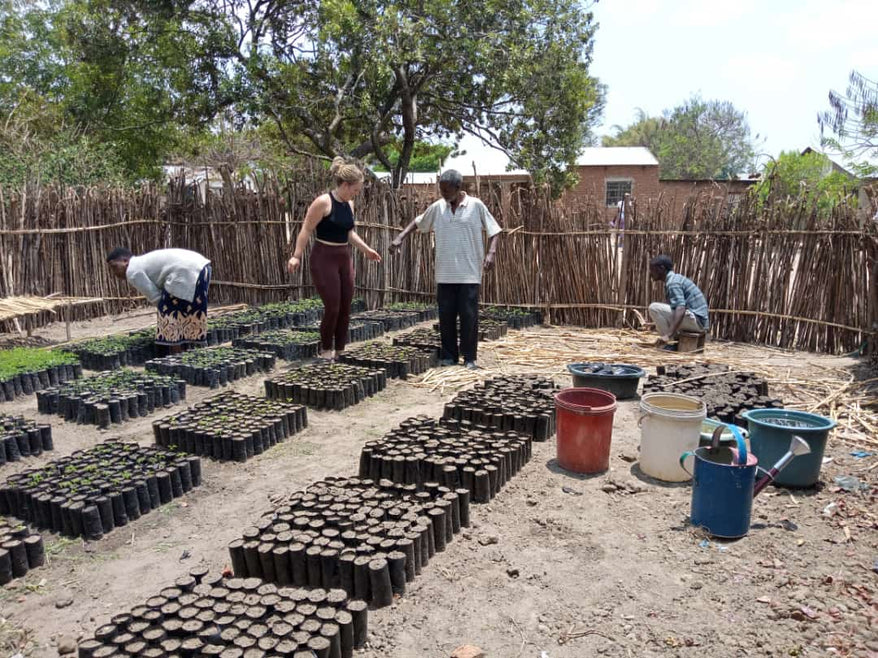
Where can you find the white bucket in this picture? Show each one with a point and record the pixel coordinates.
(670, 424)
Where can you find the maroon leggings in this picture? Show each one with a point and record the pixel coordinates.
(332, 270)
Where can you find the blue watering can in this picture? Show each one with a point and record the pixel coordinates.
(724, 483)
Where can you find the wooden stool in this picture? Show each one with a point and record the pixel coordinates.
(690, 341)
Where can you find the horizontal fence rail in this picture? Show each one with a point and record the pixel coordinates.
(784, 275)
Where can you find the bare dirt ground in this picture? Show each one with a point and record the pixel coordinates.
(557, 565)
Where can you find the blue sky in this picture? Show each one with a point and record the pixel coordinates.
(774, 59)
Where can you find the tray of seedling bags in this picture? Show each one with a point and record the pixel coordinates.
(456, 454)
(24, 370)
(423, 338)
(390, 320)
(725, 394)
(523, 403)
(325, 385)
(93, 491)
(114, 352)
(20, 550)
(516, 318)
(488, 329)
(368, 539)
(399, 361)
(22, 438)
(358, 331)
(268, 317)
(230, 426)
(208, 614)
(286, 344)
(111, 397)
(425, 311)
(213, 366)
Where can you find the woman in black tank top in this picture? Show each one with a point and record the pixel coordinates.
(331, 219)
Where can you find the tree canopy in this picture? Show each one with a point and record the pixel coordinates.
(698, 139)
(850, 125)
(369, 78)
(426, 157)
(809, 176)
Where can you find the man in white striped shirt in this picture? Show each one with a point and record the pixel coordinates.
(458, 222)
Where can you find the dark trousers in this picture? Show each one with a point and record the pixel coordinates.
(459, 300)
(332, 272)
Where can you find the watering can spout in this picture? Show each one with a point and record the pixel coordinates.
(798, 447)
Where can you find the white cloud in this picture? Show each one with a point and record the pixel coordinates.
(819, 25)
(762, 72)
(698, 13)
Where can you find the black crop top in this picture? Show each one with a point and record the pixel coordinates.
(337, 224)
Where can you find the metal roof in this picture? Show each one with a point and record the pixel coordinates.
(616, 156)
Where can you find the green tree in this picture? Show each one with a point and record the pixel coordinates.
(698, 139)
(810, 176)
(93, 75)
(367, 77)
(426, 157)
(850, 125)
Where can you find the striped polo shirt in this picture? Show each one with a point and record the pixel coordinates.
(681, 291)
(460, 245)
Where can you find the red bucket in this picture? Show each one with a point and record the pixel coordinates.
(584, 429)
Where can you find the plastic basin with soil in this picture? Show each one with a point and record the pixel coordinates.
(617, 378)
(771, 431)
(368, 539)
(230, 427)
(22, 438)
(524, 403)
(585, 429)
(91, 492)
(454, 454)
(206, 614)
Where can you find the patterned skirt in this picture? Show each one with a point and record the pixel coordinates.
(181, 322)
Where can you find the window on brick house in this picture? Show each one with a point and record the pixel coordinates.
(616, 190)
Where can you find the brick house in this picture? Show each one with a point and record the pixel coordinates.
(607, 173)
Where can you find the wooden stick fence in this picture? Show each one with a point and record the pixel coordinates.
(783, 275)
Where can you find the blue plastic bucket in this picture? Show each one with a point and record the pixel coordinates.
(722, 488)
(770, 441)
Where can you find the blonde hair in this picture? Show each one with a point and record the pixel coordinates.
(346, 170)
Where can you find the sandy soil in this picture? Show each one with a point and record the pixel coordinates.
(557, 565)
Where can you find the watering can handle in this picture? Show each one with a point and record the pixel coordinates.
(742, 446)
(683, 459)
